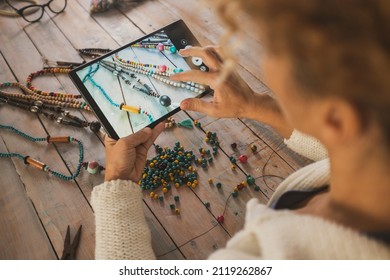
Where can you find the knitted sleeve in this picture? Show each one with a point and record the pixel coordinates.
(306, 145)
(121, 228)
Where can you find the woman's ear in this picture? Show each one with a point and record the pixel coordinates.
(341, 123)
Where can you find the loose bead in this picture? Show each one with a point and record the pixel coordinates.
(177, 211)
(220, 219)
(207, 204)
(257, 188)
(253, 148)
(93, 167)
(210, 181)
(233, 167)
(218, 185)
(176, 198)
(172, 206)
(233, 145)
(243, 159)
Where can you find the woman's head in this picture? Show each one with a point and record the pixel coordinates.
(326, 56)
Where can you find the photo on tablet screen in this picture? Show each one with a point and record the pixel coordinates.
(131, 86)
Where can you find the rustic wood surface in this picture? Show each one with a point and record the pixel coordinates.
(36, 208)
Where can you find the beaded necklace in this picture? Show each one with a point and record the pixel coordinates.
(48, 99)
(122, 106)
(61, 96)
(118, 71)
(159, 46)
(162, 70)
(162, 76)
(38, 107)
(42, 166)
(93, 52)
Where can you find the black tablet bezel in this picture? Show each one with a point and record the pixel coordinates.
(180, 35)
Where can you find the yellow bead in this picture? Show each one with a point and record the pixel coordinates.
(151, 194)
(156, 196)
(189, 184)
(193, 185)
(244, 184)
(177, 211)
(210, 181)
(233, 167)
(195, 182)
(177, 185)
(144, 175)
(189, 168)
(151, 164)
(165, 190)
(235, 189)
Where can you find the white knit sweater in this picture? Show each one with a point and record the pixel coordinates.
(122, 231)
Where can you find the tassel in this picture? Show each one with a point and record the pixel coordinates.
(187, 123)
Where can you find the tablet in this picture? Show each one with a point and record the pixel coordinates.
(129, 88)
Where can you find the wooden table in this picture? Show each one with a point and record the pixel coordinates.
(36, 208)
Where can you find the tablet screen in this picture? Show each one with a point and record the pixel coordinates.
(130, 88)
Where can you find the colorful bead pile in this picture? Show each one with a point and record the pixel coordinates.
(169, 166)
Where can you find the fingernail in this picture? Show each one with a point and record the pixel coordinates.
(182, 52)
(184, 105)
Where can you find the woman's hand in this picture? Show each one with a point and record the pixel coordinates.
(232, 97)
(125, 158)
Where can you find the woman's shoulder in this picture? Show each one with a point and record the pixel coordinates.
(283, 234)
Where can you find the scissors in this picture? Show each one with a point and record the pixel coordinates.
(69, 252)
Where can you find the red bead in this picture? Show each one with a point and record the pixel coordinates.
(220, 219)
(162, 68)
(160, 47)
(243, 158)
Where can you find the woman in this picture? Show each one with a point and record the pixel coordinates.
(327, 63)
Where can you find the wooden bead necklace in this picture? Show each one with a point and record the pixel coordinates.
(122, 106)
(67, 97)
(40, 165)
(47, 99)
(55, 113)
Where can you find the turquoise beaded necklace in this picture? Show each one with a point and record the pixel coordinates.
(30, 161)
(121, 106)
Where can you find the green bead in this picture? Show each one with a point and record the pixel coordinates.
(257, 188)
(172, 206)
(207, 204)
(161, 198)
(234, 194)
(218, 185)
(176, 198)
(250, 180)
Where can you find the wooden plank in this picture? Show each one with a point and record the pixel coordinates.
(22, 234)
(58, 203)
